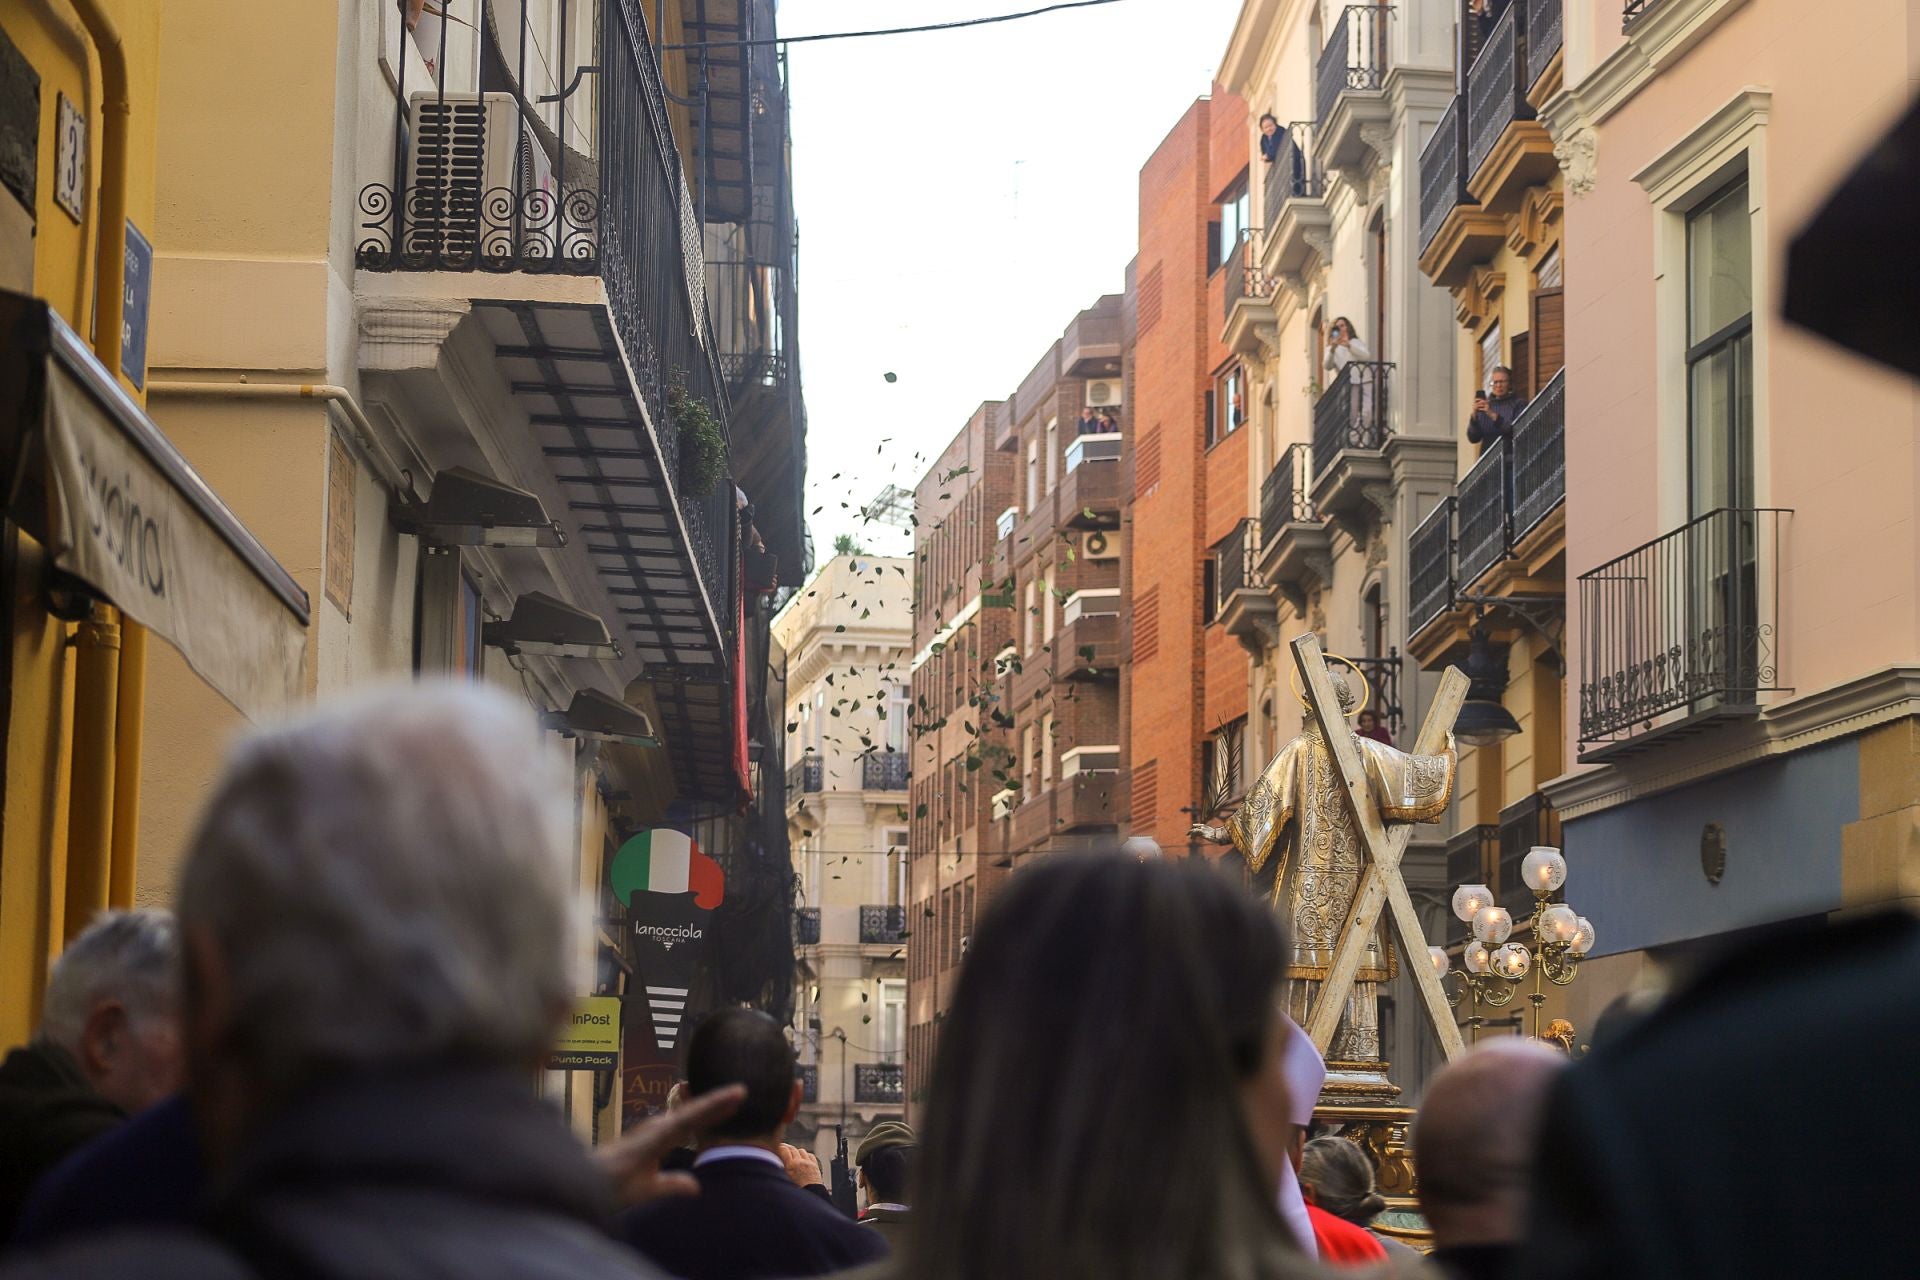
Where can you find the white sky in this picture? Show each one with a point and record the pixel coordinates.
(961, 195)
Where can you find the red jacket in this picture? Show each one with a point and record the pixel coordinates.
(1341, 1243)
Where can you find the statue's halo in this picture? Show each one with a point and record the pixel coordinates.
(1366, 686)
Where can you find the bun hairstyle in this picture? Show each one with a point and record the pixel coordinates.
(1341, 1175)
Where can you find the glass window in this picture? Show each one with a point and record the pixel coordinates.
(1490, 357)
(1046, 750)
(1547, 274)
(1720, 352)
(1053, 453)
(1227, 405)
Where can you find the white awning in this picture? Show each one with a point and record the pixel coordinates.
(124, 513)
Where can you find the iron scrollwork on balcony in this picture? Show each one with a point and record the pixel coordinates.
(1443, 180)
(456, 228)
(1354, 57)
(1352, 413)
(883, 925)
(884, 771)
(1430, 566)
(879, 1082)
(1286, 495)
(1685, 622)
(806, 926)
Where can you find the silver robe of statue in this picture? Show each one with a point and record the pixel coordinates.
(1297, 810)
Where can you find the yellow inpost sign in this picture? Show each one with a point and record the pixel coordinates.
(591, 1040)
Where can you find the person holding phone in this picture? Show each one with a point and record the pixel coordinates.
(1344, 348)
(1495, 409)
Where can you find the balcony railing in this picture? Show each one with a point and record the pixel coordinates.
(1443, 180)
(1234, 559)
(809, 1083)
(805, 774)
(1540, 457)
(1523, 825)
(1293, 174)
(1354, 57)
(1484, 529)
(1383, 679)
(1352, 413)
(1684, 622)
(1430, 566)
(1496, 89)
(887, 925)
(1545, 31)
(533, 203)
(879, 1082)
(806, 926)
(1286, 495)
(884, 771)
(1634, 10)
(1095, 446)
(1245, 279)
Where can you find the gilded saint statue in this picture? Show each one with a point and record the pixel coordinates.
(1297, 810)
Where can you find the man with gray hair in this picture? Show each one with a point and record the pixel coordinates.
(380, 926)
(108, 1046)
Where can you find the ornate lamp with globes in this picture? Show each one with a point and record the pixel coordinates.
(1495, 963)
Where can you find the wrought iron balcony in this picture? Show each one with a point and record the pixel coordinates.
(1634, 10)
(1496, 89)
(1354, 57)
(1540, 457)
(1443, 178)
(1523, 825)
(1482, 513)
(1246, 282)
(806, 926)
(1352, 413)
(1383, 680)
(1684, 623)
(1472, 855)
(1234, 556)
(1293, 174)
(884, 771)
(806, 774)
(1286, 495)
(809, 1083)
(1545, 31)
(879, 1082)
(882, 924)
(1430, 566)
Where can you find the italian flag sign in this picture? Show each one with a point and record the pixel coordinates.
(667, 861)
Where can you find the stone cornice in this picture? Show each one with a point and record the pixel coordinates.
(1746, 110)
(1892, 693)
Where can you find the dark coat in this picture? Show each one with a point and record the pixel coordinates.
(889, 1224)
(750, 1222)
(147, 1172)
(47, 1112)
(391, 1178)
(1497, 422)
(1752, 1125)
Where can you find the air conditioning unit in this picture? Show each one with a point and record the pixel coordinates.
(1100, 545)
(469, 162)
(1103, 392)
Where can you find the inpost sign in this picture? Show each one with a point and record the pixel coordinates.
(591, 1040)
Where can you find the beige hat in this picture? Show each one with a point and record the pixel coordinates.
(888, 1133)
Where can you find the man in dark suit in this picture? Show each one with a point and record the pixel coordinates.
(750, 1220)
(1752, 1125)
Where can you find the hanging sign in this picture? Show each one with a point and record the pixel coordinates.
(591, 1040)
(670, 890)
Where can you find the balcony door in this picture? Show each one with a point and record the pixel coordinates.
(1722, 636)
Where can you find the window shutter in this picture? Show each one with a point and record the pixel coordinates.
(1523, 365)
(1549, 335)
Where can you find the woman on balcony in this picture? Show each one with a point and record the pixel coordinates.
(1345, 348)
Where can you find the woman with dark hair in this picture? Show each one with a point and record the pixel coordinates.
(1108, 1099)
(1337, 1177)
(1345, 348)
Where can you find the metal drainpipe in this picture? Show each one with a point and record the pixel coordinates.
(96, 646)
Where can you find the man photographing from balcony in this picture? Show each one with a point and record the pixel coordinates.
(1495, 409)
(1269, 137)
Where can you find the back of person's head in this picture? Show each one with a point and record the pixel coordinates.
(113, 1005)
(1087, 1112)
(1473, 1140)
(744, 1046)
(890, 1174)
(383, 882)
(1341, 1178)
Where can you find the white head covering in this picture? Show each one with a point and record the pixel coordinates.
(1306, 1072)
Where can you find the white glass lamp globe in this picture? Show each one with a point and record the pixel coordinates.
(1493, 925)
(1469, 900)
(1512, 961)
(1476, 958)
(1441, 960)
(1558, 923)
(1582, 940)
(1543, 869)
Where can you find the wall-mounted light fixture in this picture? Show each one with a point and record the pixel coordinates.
(545, 626)
(598, 718)
(468, 509)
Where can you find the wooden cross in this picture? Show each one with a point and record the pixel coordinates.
(1380, 880)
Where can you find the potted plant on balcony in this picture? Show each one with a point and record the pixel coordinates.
(703, 445)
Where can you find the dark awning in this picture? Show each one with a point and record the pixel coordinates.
(93, 478)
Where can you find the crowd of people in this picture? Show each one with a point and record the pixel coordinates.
(323, 1066)
(1094, 421)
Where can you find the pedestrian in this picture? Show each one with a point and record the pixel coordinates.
(751, 1220)
(884, 1160)
(1495, 410)
(1367, 725)
(381, 941)
(1338, 1179)
(1755, 1055)
(1126, 1118)
(1474, 1147)
(108, 1046)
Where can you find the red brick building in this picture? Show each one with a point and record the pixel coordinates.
(1188, 500)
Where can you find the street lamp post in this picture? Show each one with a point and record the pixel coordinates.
(1495, 963)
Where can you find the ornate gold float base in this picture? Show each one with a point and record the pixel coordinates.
(1358, 1084)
